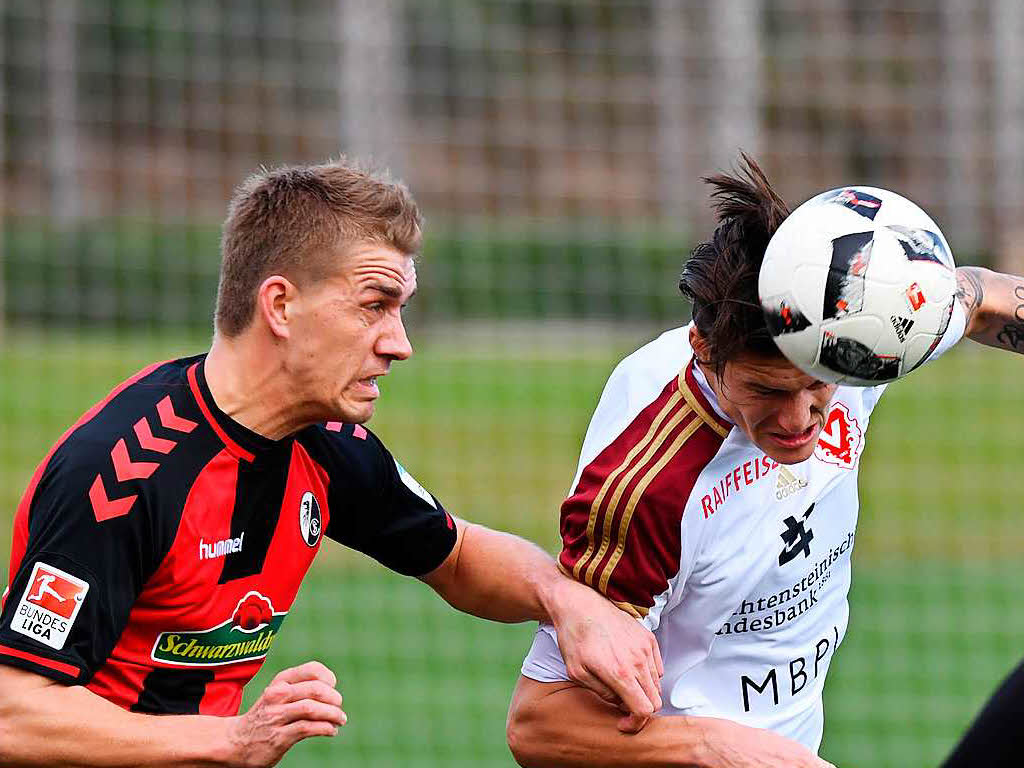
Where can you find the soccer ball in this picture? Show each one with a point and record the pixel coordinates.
(857, 286)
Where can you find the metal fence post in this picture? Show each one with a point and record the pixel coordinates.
(371, 83)
(1008, 125)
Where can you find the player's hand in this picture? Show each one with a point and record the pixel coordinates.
(608, 651)
(299, 702)
(727, 744)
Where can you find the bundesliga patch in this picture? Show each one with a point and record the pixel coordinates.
(50, 605)
(412, 485)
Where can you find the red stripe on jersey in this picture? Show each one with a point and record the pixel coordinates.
(67, 669)
(233, 448)
(179, 589)
(19, 542)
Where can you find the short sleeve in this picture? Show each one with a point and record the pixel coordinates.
(379, 509)
(621, 527)
(74, 584)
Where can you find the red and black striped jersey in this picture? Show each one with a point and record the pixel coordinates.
(160, 544)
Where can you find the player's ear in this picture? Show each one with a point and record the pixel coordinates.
(698, 344)
(274, 300)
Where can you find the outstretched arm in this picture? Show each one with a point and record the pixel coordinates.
(994, 303)
(560, 725)
(44, 723)
(502, 577)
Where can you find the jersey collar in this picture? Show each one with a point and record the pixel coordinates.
(241, 442)
(703, 396)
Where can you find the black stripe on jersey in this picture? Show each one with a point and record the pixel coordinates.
(259, 493)
(173, 691)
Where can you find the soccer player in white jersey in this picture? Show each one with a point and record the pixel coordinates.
(716, 501)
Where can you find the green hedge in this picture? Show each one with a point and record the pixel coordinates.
(139, 274)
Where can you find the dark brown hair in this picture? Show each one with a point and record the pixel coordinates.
(292, 221)
(720, 277)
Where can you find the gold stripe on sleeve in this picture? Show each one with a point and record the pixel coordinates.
(635, 497)
(653, 448)
(692, 401)
(595, 507)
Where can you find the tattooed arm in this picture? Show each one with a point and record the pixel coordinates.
(994, 304)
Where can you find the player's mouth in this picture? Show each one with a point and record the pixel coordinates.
(793, 440)
(369, 385)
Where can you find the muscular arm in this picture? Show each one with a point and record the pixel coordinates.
(43, 723)
(559, 725)
(994, 303)
(501, 577)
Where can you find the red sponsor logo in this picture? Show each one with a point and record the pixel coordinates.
(915, 296)
(840, 439)
(745, 474)
(253, 611)
(52, 590)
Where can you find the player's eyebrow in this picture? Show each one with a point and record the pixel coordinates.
(390, 290)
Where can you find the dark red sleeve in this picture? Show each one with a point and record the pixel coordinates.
(621, 526)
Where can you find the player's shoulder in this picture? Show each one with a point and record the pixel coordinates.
(152, 407)
(125, 447)
(342, 447)
(656, 362)
(653, 393)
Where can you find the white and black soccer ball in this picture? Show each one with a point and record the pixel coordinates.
(857, 286)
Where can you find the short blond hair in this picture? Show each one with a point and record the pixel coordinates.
(291, 220)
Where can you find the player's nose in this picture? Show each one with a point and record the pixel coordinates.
(394, 341)
(797, 412)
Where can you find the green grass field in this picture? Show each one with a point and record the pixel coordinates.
(491, 421)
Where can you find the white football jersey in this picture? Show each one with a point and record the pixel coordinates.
(739, 565)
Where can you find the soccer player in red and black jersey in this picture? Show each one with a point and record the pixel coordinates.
(160, 544)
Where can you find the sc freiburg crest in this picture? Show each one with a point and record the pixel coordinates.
(841, 438)
(310, 520)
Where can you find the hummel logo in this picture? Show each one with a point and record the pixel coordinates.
(214, 549)
(902, 326)
(788, 483)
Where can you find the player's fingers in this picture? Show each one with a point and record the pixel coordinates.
(634, 698)
(314, 689)
(659, 665)
(651, 685)
(311, 670)
(631, 723)
(307, 709)
(304, 729)
(589, 681)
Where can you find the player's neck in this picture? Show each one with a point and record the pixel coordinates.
(249, 385)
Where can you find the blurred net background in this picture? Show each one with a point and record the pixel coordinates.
(555, 146)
